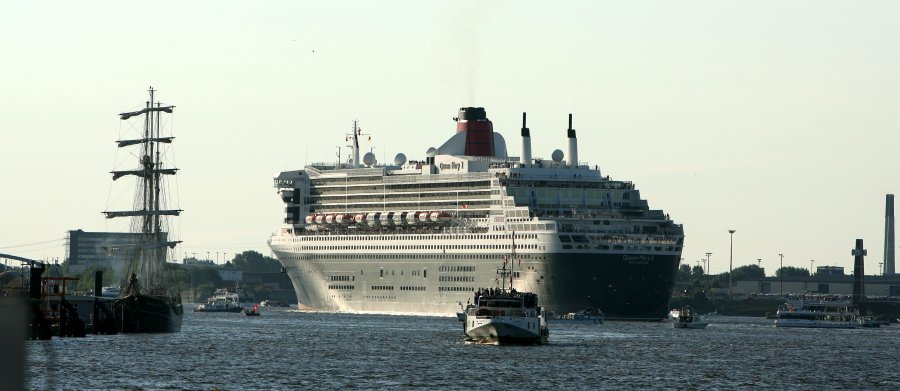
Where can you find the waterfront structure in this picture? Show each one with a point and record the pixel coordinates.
(827, 280)
(421, 236)
(889, 246)
(105, 249)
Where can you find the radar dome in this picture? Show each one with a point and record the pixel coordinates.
(369, 158)
(400, 159)
(557, 156)
(431, 152)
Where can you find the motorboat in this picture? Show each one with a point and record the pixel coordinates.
(687, 319)
(274, 303)
(254, 311)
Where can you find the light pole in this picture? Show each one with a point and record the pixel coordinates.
(730, 258)
(707, 263)
(811, 261)
(759, 263)
(781, 273)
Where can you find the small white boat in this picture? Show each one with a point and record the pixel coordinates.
(687, 319)
(588, 317)
(111, 291)
(673, 314)
(461, 316)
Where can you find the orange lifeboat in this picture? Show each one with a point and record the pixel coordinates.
(329, 219)
(320, 218)
(440, 217)
(360, 218)
(422, 217)
(343, 218)
(310, 219)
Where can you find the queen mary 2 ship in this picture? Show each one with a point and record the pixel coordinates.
(422, 236)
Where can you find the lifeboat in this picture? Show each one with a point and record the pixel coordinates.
(422, 217)
(440, 217)
(359, 218)
(387, 218)
(310, 219)
(329, 219)
(399, 218)
(373, 218)
(343, 218)
(410, 217)
(320, 218)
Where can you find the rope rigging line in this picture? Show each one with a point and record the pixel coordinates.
(32, 244)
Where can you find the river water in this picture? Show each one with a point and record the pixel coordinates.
(292, 350)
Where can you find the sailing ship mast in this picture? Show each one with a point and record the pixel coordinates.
(146, 218)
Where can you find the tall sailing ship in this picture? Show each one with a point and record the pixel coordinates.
(421, 236)
(146, 304)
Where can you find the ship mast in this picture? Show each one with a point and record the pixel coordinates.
(148, 216)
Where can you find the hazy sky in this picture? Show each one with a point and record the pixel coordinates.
(778, 119)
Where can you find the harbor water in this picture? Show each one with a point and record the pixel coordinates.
(289, 350)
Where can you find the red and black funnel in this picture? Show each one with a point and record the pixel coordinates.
(479, 131)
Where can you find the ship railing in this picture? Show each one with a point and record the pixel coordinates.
(477, 176)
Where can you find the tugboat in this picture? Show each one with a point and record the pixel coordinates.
(505, 316)
(687, 319)
(145, 303)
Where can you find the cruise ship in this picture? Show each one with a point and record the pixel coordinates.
(421, 236)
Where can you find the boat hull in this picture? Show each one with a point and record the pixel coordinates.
(623, 286)
(505, 331)
(816, 324)
(694, 325)
(148, 314)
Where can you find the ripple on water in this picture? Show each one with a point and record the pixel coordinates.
(300, 350)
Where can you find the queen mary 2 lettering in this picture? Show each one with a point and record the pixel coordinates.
(421, 236)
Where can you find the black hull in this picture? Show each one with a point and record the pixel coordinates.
(629, 287)
(148, 314)
(623, 286)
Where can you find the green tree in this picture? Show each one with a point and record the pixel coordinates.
(697, 272)
(252, 261)
(684, 272)
(791, 271)
(86, 279)
(747, 272)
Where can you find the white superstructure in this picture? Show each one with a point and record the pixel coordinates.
(420, 236)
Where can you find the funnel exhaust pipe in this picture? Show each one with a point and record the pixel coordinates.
(526, 143)
(573, 145)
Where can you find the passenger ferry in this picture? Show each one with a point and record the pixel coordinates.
(221, 301)
(823, 313)
(502, 316)
(418, 236)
